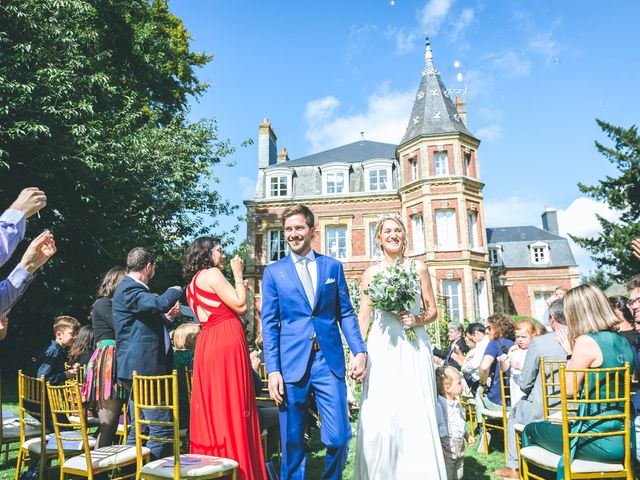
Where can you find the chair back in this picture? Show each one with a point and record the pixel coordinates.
(32, 404)
(65, 402)
(188, 378)
(606, 395)
(505, 390)
(550, 381)
(158, 392)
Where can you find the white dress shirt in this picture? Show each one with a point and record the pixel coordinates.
(312, 266)
(474, 358)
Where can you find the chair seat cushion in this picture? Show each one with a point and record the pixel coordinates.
(91, 421)
(34, 445)
(105, 457)
(12, 434)
(191, 466)
(485, 412)
(518, 427)
(545, 458)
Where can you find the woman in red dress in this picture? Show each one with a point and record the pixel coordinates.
(224, 417)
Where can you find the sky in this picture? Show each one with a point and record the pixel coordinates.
(535, 75)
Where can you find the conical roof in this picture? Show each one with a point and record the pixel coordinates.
(434, 112)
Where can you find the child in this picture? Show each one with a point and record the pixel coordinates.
(83, 346)
(52, 360)
(452, 424)
(184, 343)
(525, 331)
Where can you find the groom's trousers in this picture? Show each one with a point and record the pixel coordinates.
(335, 430)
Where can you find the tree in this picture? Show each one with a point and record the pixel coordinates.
(599, 278)
(93, 110)
(612, 248)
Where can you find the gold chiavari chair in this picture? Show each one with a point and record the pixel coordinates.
(497, 419)
(188, 376)
(610, 388)
(66, 403)
(157, 393)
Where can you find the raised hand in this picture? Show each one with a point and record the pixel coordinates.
(175, 310)
(30, 201)
(39, 251)
(635, 248)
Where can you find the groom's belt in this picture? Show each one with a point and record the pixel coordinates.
(315, 346)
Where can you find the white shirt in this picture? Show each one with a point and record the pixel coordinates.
(454, 415)
(167, 337)
(312, 266)
(474, 358)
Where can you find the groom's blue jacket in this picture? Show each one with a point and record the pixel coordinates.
(289, 322)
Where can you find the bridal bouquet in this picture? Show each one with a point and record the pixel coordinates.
(394, 290)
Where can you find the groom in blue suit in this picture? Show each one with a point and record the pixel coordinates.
(305, 299)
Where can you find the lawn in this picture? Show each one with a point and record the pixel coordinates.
(477, 466)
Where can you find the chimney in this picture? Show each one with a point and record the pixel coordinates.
(283, 156)
(267, 145)
(461, 106)
(550, 220)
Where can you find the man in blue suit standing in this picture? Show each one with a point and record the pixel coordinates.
(142, 340)
(305, 298)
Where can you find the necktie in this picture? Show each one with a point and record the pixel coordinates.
(305, 278)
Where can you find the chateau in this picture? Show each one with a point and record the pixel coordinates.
(431, 179)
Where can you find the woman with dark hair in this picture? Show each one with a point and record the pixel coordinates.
(224, 418)
(100, 387)
(82, 349)
(626, 327)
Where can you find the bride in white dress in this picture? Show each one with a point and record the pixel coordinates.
(398, 434)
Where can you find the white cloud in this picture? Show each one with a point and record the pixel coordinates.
(489, 133)
(429, 19)
(383, 120)
(512, 212)
(358, 39)
(433, 14)
(479, 83)
(510, 64)
(545, 45)
(466, 18)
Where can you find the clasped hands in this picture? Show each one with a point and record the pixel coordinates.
(408, 319)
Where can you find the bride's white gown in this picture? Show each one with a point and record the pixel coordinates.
(398, 434)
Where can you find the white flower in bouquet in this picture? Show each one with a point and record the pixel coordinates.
(394, 290)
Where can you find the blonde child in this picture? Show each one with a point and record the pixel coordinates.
(452, 424)
(514, 361)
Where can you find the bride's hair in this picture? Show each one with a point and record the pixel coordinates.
(398, 220)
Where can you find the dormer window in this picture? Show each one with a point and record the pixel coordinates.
(335, 178)
(377, 174)
(539, 253)
(495, 255)
(279, 182)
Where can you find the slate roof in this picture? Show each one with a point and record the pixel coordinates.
(515, 241)
(434, 112)
(350, 153)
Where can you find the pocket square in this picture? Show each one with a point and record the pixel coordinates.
(330, 280)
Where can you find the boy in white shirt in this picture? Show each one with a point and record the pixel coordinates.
(452, 424)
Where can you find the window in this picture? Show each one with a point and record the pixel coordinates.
(373, 246)
(278, 247)
(278, 186)
(417, 231)
(451, 290)
(467, 164)
(337, 242)
(473, 230)
(335, 182)
(539, 253)
(377, 175)
(414, 169)
(378, 180)
(441, 163)
(446, 232)
(482, 302)
(540, 304)
(494, 256)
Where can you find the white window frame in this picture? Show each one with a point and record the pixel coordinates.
(413, 163)
(373, 246)
(446, 229)
(472, 220)
(481, 299)
(281, 252)
(441, 163)
(451, 290)
(495, 255)
(335, 235)
(378, 165)
(279, 173)
(417, 233)
(539, 253)
(332, 171)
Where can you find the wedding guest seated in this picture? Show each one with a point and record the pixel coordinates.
(52, 361)
(470, 364)
(83, 346)
(530, 407)
(626, 326)
(184, 344)
(500, 330)
(454, 334)
(589, 343)
(452, 423)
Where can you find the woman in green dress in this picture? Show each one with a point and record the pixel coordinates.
(591, 342)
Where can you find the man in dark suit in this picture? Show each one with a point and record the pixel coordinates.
(456, 329)
(142, 340)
